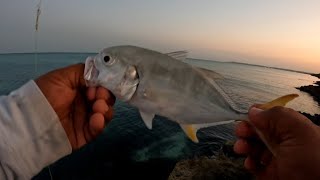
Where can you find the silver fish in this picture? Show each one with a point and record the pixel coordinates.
(163, 84)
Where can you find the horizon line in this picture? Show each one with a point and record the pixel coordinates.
(53, 52)
(237, 62)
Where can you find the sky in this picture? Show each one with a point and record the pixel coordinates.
(280, 33)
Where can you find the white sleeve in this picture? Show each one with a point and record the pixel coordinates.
(31, 136)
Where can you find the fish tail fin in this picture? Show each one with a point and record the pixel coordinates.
(191, 129)
(281, 101)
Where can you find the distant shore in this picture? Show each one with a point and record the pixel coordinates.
(272, 67)
(314, 91)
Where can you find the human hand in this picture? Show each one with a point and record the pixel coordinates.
(83, 112)
(294, 138)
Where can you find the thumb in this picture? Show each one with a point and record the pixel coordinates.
(261, 120)
(256, 117)
(266, 127)
(74, 75)
(279, 123)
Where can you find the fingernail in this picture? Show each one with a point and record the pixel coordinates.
(254, 111)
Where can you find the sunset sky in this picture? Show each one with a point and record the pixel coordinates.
(281, 33)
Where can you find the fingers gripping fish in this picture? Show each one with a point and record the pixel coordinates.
(162, 84)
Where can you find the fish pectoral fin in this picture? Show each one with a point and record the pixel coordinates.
(190, 131)
(281, 101)
(147, 118)
(180, 55)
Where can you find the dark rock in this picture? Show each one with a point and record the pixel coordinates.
(314, 118)
(226, 165)
(316, 75)
(221, 167)
(314, 91)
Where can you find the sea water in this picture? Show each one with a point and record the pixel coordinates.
(126, 142)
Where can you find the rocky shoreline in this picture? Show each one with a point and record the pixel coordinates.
(314, 91)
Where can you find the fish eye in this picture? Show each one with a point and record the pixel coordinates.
(106, 59)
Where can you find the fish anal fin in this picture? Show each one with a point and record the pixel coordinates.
(147, 118)
(190, 131)
(281, 101)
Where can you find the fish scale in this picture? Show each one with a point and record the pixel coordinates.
(162, 84)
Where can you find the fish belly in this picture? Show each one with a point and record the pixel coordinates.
(181, 94)
(182, 108)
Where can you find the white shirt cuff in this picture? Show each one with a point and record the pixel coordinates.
(33, 135)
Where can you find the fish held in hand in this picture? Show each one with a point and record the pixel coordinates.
(163, 84)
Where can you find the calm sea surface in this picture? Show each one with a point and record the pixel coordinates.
(127, 145)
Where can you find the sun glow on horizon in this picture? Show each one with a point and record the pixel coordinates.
(282, 33)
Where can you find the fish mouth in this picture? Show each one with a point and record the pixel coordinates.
(91, 73)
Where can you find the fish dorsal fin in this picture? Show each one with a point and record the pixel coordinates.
(211, 76)
(225, 96)
(180, 55)
(209, 73)
(147, 118)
